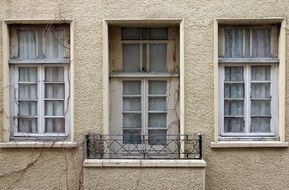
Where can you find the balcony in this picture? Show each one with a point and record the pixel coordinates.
(135, 146)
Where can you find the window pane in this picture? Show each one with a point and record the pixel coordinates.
(259, 90)
(27, 91)
(234, 42)
(157, 104)
(157, 137)
(54, 74)
(234, 91)
(27, 108)
(261, 73)
(234, 74)
(26, 125)
(234, 107)
(130, 33)
(54, 108)
(131, 58)
(29, 44)
(158, 57)
(131, 87)
(131, 136)
(54, 48)
(54, 91)
(27, 74)
(260, 125)
(260, 107)
(158, 87)
(54, 125)
(131, 104)
(157, 120)
(158, 33)
(234, 125)
(261, 42)
(132, 120)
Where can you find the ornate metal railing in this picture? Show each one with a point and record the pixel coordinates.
(137, 146)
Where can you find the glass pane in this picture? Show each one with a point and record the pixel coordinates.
(144, 57)
(131, 104)
(27, 91)
(234, 42)
(54, 125)
(234, 91)
(158, 87)
(131, 137)
(158, 33)
(234, 73)
(27, 108)
(260, 107)
(131, 58)
(247, 42)
(54, 74)
(261, 125)
(261, 42)
(234, 107)
(132, 120)
(158, 57)
(234, 125)
(26, 125)
(157, 120)
(157, 104)
(259, 90)
(54, 48)
(54, 108)
(27, 74)
(54, 91)
(29, 44)
(130, 33)
(157, 137)
(131, 87)
(261, 73)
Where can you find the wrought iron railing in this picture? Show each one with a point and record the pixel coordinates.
(134, 146)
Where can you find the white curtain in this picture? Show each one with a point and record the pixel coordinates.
(27, 90)
(261, 107)
(234, 108)
(30, 44)
(54, 47)
(54, 91)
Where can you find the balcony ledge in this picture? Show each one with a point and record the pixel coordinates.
(129, 163)
(57, 144)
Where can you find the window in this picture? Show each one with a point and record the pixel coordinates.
(248, 82)
(144, 83)
(39, 77)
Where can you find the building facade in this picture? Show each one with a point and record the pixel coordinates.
(143, 94)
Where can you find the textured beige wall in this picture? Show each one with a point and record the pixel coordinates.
(144, 178)
(239, 168)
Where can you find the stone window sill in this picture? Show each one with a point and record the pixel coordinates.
(56, 144)
(129, 163)
(249, 144)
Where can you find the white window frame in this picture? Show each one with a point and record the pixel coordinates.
(143, 76)
(14, 72)
(251, 141)
(11, 64)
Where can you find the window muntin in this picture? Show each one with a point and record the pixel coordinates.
(39, 97)
(39, 107)
(248, 81)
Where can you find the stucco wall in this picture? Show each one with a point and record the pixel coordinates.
(236, 168)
